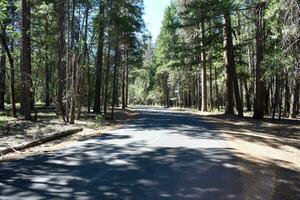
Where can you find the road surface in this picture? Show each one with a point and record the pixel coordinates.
(159, 155)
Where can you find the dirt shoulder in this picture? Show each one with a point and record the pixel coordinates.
(15, 133)
(267, 142)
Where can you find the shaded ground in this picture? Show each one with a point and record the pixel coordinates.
(269, 141)
(16, 132)
(160, 155)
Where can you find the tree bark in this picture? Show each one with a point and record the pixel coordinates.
(114, 91)
(228, 63)
(199, 98)
(124, 82)
(204, 70)
(231, 76)
(2, 78)
(107, 77)
(99, 61)
(47, 70)
(12, 71)
(74, 86)
(84, 63)
(259, 83)
(276, 96)
(211, 99)
(295, 99)
(248, 97)
(287, 95)
(217, 89)
(26, 62)
(61, 9)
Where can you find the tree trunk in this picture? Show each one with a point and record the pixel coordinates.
(114, 91)
(287, 96)
(259, 102)
(204, 70)
(124, 82)
(211, 99)
(217, 89)
(199, 91)
(280, 98)
(295, 99)
(26, 62)
(74, 86)
(231, 76)
(84, 63)
(166, 87)
(61, 57)
(89, 82)
(276, 96)
(117, 89)
(228, 58)
(248, 97)
(12, 71)
(47, 70)
(2, 78)
(107, 77)
(99, 61)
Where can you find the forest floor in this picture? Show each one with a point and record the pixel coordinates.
(18, 132)
(271, 142)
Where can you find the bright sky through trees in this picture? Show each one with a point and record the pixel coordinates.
(154, 11)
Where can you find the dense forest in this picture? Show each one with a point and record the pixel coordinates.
(232, 56)
(68, 54)
(224, 55)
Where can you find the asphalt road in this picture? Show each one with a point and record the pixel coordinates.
(159, 155)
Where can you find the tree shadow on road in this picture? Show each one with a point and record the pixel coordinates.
(101, 168)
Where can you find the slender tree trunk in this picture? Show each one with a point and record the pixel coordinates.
(266, 99)
(199, 104)
(211, 99)
(89, 82)
(61, 9)
(248, 97)
(99, 61)
(204, 70)
(47, 68)
(26, 62)
(280, 98)
(295, 99)
(275, 102)
(114, 91)
(287, 96)
(107, 77)
(126, 79)
(84, 63)
(3, 38)
(74, 87)
(241, 91)
(2, 78)
(217, 89)
(117, 89)
(259, 103)
(124, 82)
(167, 95)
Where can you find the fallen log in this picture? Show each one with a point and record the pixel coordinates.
(41, 141)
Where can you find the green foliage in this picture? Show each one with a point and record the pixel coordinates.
(101, 118)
